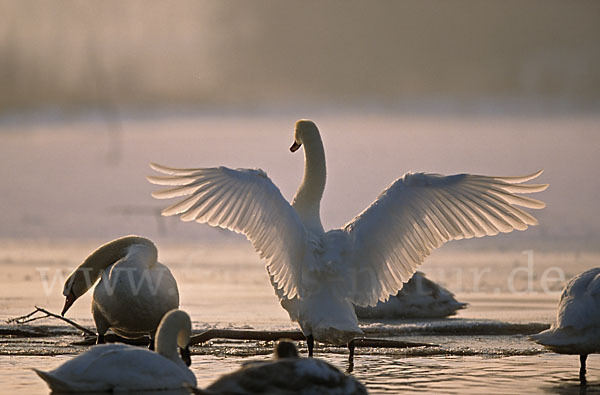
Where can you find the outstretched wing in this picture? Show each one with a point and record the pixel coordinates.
(244, 201)
(420, 212)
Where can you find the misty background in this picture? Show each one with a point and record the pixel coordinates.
(91, 92)
(205, 54)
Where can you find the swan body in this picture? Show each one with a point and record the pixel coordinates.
(319, 276)
(120, 367)
(419, 298)
(134, 292)
(577, 326)
(287, 374)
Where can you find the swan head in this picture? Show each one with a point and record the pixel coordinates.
(305, 130)
(84, 277)
(285, 349)
(174, 330)
(76, 285)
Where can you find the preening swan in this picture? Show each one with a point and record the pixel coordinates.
(319, 276)
(119, 367)
(577, 326)
(134, 292)
(418, 298)
(287, 374)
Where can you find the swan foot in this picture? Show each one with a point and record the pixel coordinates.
(582, 359)
(310, 342)
(100, 339)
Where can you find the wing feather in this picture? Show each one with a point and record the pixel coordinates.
(244, 201)
(420, 212)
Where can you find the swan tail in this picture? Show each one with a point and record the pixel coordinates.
(556, 337)
(53, 382)
(569, 340)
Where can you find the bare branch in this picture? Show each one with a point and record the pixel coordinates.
(29, 317)
(294, 335)
(21, 319)
(245, 335)
(232, 334)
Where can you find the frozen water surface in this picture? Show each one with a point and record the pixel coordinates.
(482, 348)
(70, 186)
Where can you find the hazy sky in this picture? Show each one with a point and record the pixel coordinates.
(134, 53)
(93, 91)
(61, 179)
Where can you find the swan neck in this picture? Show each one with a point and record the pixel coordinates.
(174, 330)
(94, 265)
(166, 343)
(307, 200)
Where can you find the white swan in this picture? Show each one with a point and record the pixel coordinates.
(319, 276)
(120, 367)
(418, 298)
(134, 292)
(287, 374)
(577, 327)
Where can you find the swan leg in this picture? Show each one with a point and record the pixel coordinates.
(582, 359)
(351, 347)
(310, 342)
(102, 324)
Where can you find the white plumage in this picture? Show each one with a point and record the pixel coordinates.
(134, 292)
(418, 298)
(319, 276)
(121, 367)
(577, 326)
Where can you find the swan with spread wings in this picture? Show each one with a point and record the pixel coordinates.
(319, 276)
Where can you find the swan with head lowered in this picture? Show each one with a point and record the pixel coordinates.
(134, 292)
(319, 276)
(418, 298)
(121, 367)
(577, 326)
